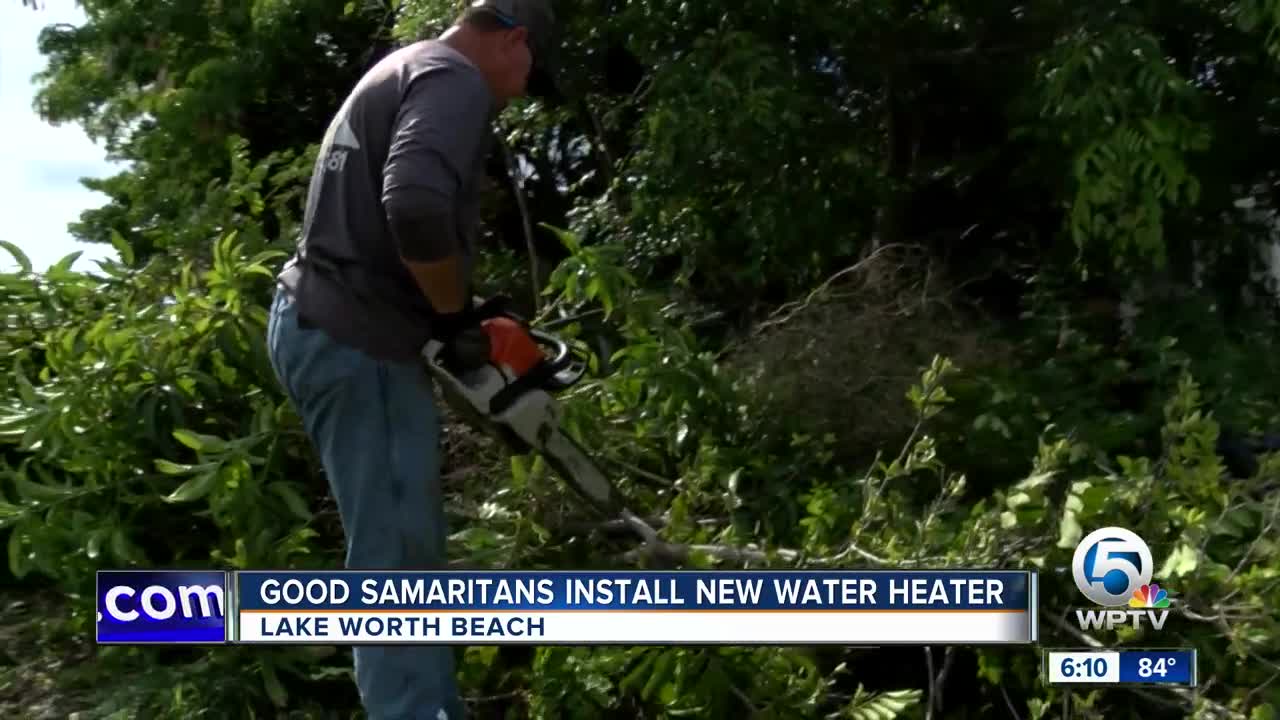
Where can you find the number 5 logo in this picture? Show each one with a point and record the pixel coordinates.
(1110, 564)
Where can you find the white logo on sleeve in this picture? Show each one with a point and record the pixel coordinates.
(343, 143)
(343, 137)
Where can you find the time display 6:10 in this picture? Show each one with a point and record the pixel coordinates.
(1084, 666)
(1090, 667)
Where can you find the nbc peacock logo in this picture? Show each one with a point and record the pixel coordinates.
(1149, 596)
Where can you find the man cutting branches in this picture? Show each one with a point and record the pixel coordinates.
(384, 264)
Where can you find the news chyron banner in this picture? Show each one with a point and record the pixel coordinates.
(575, 608)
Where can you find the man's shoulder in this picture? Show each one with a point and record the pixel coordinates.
(425, 56)
(423, 70)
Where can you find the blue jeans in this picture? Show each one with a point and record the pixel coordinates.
(377, 431)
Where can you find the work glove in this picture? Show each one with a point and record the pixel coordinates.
(466, 344)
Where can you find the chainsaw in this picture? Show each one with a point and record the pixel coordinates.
(518, 407)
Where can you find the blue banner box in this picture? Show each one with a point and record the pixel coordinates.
(165, 607)
(1158, 667)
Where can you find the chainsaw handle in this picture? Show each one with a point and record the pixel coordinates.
(559, 370)
(494, 307)
(561, 362)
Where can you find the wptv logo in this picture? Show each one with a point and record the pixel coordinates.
(1112, 568)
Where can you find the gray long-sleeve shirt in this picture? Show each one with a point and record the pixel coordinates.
(397, 175)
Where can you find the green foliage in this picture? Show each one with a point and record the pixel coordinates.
(128, 413)
(700, 172)
(1127, 117)
(168, 87)
(1262, 16)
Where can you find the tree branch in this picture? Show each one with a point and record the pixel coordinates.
(1009, 703)
(933, 683)
(513, 172)
(948, 659)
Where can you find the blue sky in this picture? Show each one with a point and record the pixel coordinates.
(40, 190)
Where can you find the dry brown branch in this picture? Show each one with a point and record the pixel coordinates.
(839, 359)
(788, 311)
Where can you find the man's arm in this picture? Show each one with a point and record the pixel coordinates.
(437, 134)
(422, 223)
(442, 283)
